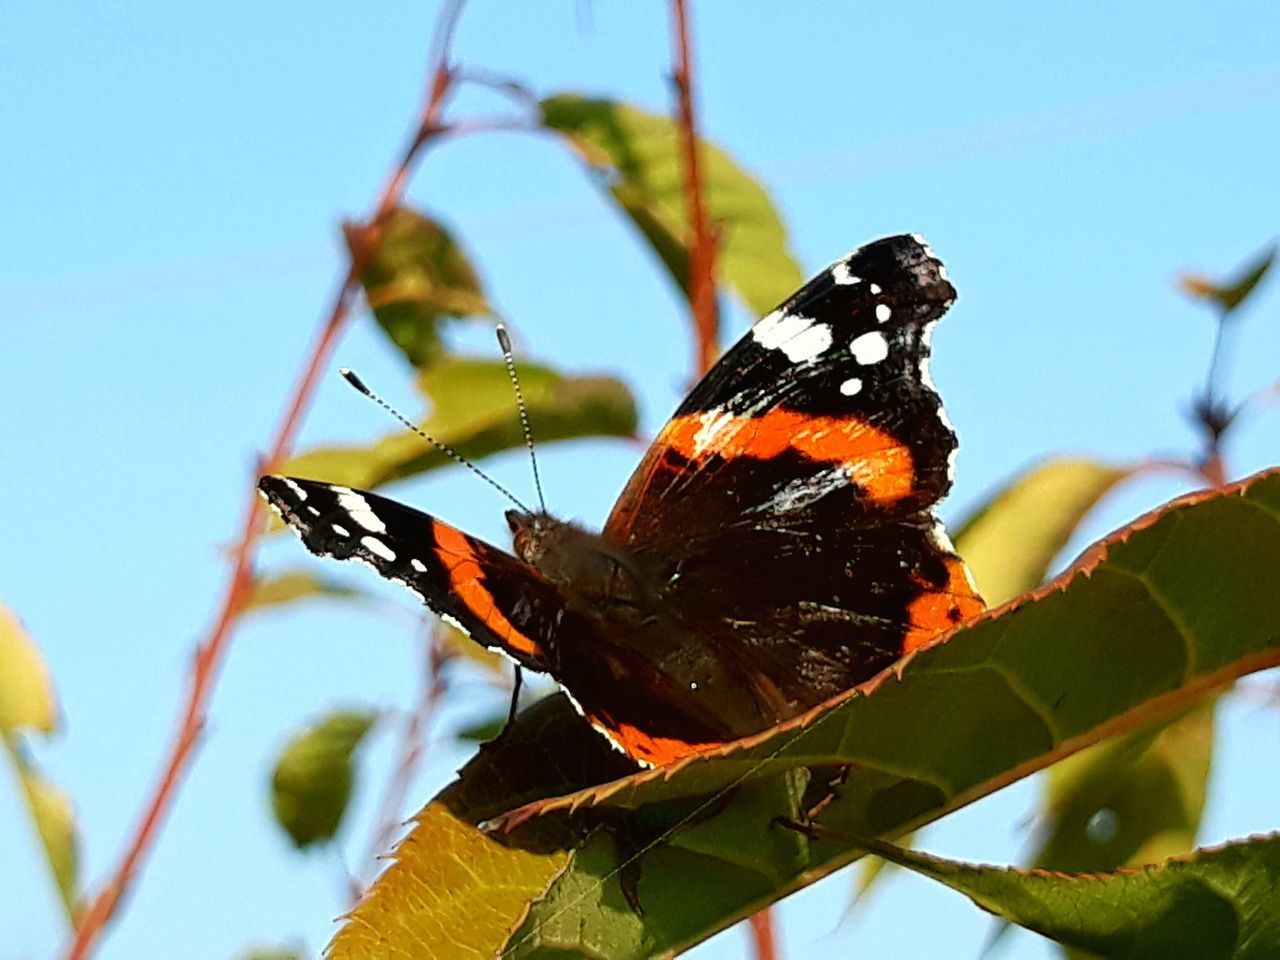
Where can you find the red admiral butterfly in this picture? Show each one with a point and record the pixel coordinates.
(775, 547)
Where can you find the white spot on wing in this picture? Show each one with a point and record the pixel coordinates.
(418, 565)
(875, 289)
(851, 387)
(800, 338)
(358, 509)
(340, 530)
(841, 274)
(809, 345)
(869, 348)
(377, 547)
(713, 421)
(313, 511)
(297, 490)
(883, 313)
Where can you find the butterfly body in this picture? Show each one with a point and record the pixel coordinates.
(775, 546)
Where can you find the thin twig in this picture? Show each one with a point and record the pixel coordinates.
(211, 651)
(499, 83)
(702, 240)
(390, 811)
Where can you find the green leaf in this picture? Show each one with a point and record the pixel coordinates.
(1176, 605)
(1216, 904)
(55, 823)
(417, 277)
(1229, 294)
(313, 776)
(294, 585)
(474, 412)
(1130, 801)
(637, 157)
(1010, 542)
(27, 700)
(453, 891)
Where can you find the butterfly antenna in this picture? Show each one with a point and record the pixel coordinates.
(504, 342)
(351, 378)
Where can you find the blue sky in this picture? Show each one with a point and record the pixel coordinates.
(172, 183)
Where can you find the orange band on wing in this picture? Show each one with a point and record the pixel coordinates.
(651, 750)
(875, 461)
(466, 576)
(937, 611)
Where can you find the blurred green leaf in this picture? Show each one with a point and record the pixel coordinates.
(416, 277)
(1129, 801)
(1010, 542)
(55, 823)
(28, 703)
(1215, 904)
(482, 731)
(270, 953)
(1229, 294)
(458, 644)
(313, 777)
(27, 700)
(474, 412)
(294, 585)
(637, 157)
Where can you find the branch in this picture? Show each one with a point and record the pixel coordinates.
(211, 651)
(702, 241)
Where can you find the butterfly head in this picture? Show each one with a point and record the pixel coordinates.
(528, 532)
(591, 572)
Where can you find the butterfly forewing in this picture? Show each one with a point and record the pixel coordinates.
(498, 600)
(788, 501)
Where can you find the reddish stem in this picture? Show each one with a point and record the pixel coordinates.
(702, 240)
(211, 651)
(762, 935)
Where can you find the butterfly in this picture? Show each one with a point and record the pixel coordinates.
(775, 547)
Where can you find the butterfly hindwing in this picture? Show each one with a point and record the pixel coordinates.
(497, 599)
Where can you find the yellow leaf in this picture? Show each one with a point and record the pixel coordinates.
(451, 893)
(27, 700)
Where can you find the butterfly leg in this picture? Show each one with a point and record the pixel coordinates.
(515, 702)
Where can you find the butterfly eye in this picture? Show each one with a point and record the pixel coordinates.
(523, 543)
